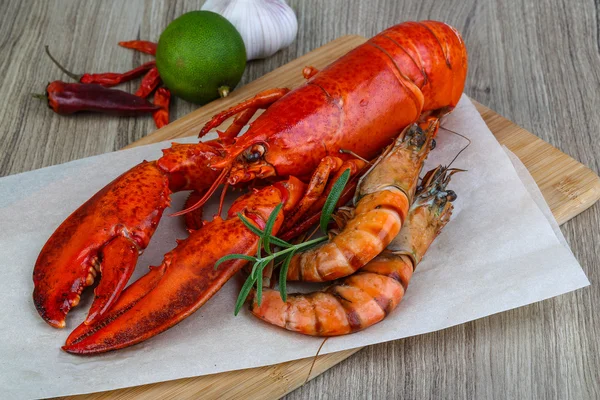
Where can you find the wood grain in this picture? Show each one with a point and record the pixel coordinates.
(534, 61)
(568, 186)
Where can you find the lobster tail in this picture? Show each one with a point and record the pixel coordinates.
(430, 54)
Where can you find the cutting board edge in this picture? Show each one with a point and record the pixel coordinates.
(563, 212)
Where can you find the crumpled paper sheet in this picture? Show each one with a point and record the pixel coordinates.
(501, 250)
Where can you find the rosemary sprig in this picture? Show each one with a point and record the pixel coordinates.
(283, 256)
(332, 199)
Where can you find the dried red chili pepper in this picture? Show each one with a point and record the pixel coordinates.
(140, 45)
(107, 79)
(68, 98)
(150, 81)
(162, 98)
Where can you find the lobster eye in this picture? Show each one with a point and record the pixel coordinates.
(433, 144)
(451, 195)
(254, 153)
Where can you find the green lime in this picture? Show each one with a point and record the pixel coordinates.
(200, 56)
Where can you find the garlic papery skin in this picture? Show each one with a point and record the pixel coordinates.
(266, 26)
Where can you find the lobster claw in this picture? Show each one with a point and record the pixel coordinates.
(186, 279)
(109, 231)
(106, 235)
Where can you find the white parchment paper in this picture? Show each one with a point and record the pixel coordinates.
(499, 251)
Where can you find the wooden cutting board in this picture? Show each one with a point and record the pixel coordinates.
(568, 186)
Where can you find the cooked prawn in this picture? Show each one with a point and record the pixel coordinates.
(368, 296)
(383, 197)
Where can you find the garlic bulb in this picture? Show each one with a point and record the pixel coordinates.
(266, 26)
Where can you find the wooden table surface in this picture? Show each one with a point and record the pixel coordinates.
(536, 62)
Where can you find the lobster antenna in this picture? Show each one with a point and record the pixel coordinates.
(220, 179)
(353, 154)
(313, 232)
(461, 150)
(315, 360)
(222, 199)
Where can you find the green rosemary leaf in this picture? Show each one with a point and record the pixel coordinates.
(311, 243)
(283, 275)
(269, 228)
(259, 288)
(243, 294)
(233, 257)
(258, 248)
(279, 258)
(278, 242)
(332, 199)
(258, 267)
(249, 225)
(254, 268)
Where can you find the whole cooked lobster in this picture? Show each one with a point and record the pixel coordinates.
(348, 112)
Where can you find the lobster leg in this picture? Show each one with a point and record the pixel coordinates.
(309, 71)
(355, 166)
(261, 100)
(311, 219)
(193, 220)
(320, 186)
(238, 123)
(316, 186)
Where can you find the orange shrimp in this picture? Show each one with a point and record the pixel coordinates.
(368, 296)
(382, 200)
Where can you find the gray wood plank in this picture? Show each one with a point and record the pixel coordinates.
(535, 62)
